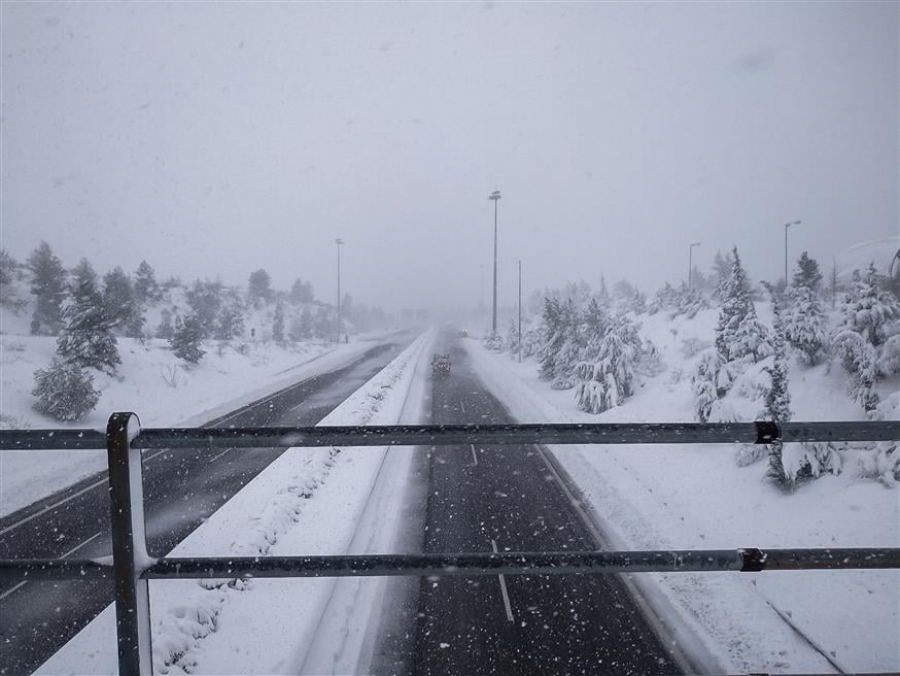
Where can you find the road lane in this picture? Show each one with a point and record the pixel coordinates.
(507, 497)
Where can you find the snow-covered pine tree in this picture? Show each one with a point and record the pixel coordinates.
(778, 397)
(230, 323)
(278, 323)
(607, 369)
(869, 310)
(87, 339)
(119, 305)
(739, 334)
(806, 327)
(185, 340)
(205, 300)
(711, 381)
(165, 329)
(64, 391)
(9, 268)
(259, 288)
(146, 289)
(48, 285)
(722, 266)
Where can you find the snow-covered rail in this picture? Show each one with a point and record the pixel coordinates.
(131, 567)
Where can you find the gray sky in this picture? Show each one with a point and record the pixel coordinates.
(212, 139)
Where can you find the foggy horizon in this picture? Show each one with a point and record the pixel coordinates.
(215, 139)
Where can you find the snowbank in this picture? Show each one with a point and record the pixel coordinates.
(658, 497)
(309, 501)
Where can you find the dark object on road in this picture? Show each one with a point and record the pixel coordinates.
(440, 364)
(463, 333)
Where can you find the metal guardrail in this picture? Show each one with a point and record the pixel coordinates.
(132, 567)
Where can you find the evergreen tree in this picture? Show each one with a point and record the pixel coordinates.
(778, 398)
(9, 272)
(710, 382)
(186, 338)
(64, 391)
(301, 292)
(260, 287)
(301, 326)
(867, 309)
(146, 289)
(118, 298)
(48, 285)
(806, 327)
(722, 266)
(205, 301)
(607, 372)
(739, 334)
(231, 317)
(165, 329)
(807, 274)
(278, 323)
(87, 339)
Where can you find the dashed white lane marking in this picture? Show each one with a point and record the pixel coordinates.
(462, 406)
(474, 457)
(509, 615)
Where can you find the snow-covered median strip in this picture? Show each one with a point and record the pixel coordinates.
(680, 497)
(309, 501)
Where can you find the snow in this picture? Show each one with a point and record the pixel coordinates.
(681, 497)
(309, 501)
(224, 380)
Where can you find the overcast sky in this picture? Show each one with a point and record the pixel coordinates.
(212, 139)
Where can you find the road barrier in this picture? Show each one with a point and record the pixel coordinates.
(132, 567)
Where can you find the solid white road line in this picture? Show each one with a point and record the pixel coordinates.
(77, 547)
(10, 591)
(220, 454)
(509, 615)
(474, 457)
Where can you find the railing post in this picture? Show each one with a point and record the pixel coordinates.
(129, 544)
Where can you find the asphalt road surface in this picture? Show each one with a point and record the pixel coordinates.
(181, 489)
(505, 498)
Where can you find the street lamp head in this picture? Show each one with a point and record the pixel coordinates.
(786, 225)
(696, 243)
(494, 195)
(338, 241)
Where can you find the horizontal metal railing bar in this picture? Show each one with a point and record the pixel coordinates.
(55, 569)
(473, 563)
(51, 440)
(418, 435)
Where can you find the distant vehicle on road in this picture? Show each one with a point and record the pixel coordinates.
(440, 364)
(463, 333)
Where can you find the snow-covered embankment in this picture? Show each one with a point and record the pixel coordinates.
(309, 501)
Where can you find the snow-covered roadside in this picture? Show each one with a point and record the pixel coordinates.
(161, 391)
(696, 497)
(307, 502)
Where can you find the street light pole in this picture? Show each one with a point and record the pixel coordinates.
(691, 264)
(786, 226)
(339, 243)
(495, 197)
(519, 341)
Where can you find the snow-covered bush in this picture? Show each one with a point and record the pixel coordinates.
(806, 326)
(710, 382)
(606, 379)
(64, 391)
(859, 357)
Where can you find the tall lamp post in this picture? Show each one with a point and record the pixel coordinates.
(495, 197)
(691, 264)
(339, 243)
(786, 226)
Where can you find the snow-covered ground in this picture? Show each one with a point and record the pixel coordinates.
(309, 501)
(673, 496)
(156, 385)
